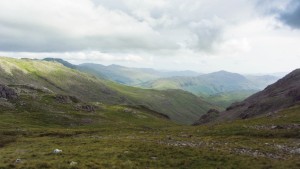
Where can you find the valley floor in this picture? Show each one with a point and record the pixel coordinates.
(271, 142)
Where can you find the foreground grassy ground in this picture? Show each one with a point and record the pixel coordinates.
(32, 126)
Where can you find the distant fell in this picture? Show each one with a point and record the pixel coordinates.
(283, 94)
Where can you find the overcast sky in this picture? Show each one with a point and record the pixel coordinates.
(245, 36)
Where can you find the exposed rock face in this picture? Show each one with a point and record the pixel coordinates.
(282, 94)
(209, 116)
(87, 108)
(7, 92)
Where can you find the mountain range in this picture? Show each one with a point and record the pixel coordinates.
(122, 74)
(213, 83)
(221, 88)
(179, 105)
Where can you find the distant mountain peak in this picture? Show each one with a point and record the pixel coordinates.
(224, 72)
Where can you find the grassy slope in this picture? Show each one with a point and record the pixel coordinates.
(175, 102)
(138, 139)
(180, 106)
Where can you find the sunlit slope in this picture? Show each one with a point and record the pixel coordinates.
(36, 108)
(180, 106)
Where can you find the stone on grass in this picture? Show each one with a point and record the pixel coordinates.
(73, 163)
(18, 161)
(57, 151)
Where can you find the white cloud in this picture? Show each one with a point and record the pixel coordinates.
(202, 35)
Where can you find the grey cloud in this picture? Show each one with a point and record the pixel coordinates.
(291, 16)
(288, 12)
(207, 34)
(18, 36)
(119, 25)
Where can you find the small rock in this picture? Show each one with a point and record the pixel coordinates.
(57, 151)
(154, 158)
(18, 161)
(296, 151)
(276, 127)
(73, 163)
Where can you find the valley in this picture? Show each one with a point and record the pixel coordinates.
(221, 88)
(124, 127)
(149, 84)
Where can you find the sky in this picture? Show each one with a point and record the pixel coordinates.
(244, 36)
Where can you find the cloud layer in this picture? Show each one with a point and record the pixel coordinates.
(203, 35)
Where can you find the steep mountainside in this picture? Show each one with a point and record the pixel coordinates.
(180, 106)
(280, 95)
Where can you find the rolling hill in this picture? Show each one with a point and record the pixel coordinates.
(180, 106)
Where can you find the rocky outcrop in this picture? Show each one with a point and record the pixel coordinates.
(87, 108)
(7, 92)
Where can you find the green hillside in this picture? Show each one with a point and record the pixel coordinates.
(180, 106)
(227, 98)
(38, 121)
